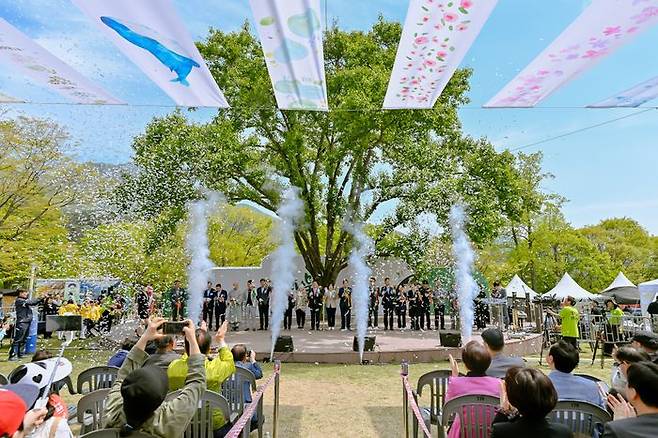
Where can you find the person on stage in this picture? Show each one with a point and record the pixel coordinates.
(401, 307)
(234, 306)
(287, 316)
(209, 296)
(250, 301)
(331, 303)
(345, 296)
(500, 293)
(220, 305)
(142, 300)
(301, 304)
(388, 298)
(178, 297)
(315, 299)
(570, 318)
(426, 294)
(373, 304)
(263, 297)
(439, 298)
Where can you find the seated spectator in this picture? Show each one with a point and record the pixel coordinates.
(164, 354)
(477, 359)
(240, 352)
(17, 420)
(117, 359)
(624, 356)
(495, 342)
(217, 370)
(648, 342)
(637, 418)
(136, 400)
(525, 400)
(41, 355)
(563, 358)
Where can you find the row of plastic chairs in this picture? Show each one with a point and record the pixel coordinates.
(577, 415)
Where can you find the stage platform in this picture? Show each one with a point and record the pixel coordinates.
(390, 346)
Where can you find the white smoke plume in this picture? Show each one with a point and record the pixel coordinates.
(362, 247)
(283, 265)
(467, 288)
(196, 243)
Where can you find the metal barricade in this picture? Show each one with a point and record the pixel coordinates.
(606, 332)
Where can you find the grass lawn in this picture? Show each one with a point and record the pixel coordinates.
(326, 400)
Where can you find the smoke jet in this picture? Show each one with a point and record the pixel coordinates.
(362, 247)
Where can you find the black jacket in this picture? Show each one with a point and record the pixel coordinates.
(263, 295)
(526, 427)
(23, 309)
(643, 426)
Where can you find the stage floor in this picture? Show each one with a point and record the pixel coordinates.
(334, 346)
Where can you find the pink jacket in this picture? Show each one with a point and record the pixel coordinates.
(458, 386)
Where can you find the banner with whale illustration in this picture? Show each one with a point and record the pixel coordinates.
(435, 38)
(152, 35)
(291, 36)
(46, 69)
(633, 97)
(602, 28)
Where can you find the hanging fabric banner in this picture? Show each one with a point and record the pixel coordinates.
(46, 69)
(602, 28)
(633, 97)
(152, 35)
(435, 39)
(291, 35)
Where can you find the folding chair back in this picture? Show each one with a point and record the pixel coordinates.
(475, 413)
(201, 425)
(579, 416)
(96, 378)
(91, 410)
(233, 389)
(3, 380)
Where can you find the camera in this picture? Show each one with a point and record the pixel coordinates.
(173, 327)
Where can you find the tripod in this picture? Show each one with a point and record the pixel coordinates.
(546, 341)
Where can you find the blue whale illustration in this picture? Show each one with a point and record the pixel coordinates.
(180, 64)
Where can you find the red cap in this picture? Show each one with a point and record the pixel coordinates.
(13, 410)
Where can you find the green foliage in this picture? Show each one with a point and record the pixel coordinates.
(352, 162)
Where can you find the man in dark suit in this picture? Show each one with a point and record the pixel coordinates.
(221, 300)
(345, 303)
(263, 298)
(373, 303)
(389, 301)
(495, 342)
(209, 296)
(315, 296)
(642, 394)
(23, 321)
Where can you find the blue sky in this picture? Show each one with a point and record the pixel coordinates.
(606, 171)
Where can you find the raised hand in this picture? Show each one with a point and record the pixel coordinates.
(221, 332)
(620, 407)
(453, 366)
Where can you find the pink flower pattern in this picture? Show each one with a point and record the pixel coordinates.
(439, 24)
(528, 88)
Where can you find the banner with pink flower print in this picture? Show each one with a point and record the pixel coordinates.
(602, 28)
(436, 36)
(633, 97)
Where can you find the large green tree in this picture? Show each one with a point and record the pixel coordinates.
(354, 162)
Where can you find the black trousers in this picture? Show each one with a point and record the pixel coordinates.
(21, 330)
(315, 319)
(208, 311)
(388, 318)
(425, 318)
(300, 315)
(345, 317)
(439, 317)
(402, 319)
(331, 316)
(264, 316)
(220, 315)
(177, 312)
(287, 319)
(373, 316)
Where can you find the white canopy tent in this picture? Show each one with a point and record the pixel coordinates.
(567, 286)
(518, 287)
(620, 281)
(622, 290)
(648, 291)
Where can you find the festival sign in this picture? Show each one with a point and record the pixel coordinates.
(602, 28)
(436, 36)
(46, 69)
(291, 36)
(152, 35)
(633, 97)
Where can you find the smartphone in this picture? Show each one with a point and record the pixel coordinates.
(173, 327)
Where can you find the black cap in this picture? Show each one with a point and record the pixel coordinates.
(646, 339)
(143, 391)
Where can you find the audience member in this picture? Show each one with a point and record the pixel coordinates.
(624, 356)
(637, 418)
(17, 420)
(495, 342)
(648, 342)
(217, 370)
(117, 358)
(563, 358)
(526, 398)
(164, 354)
(136, 400)
(247, 360)
(41, 355)
(23, 307)
(477, 359)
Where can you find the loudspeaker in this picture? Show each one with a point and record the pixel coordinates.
(368, 344)
(450, 338)
(284, 344)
